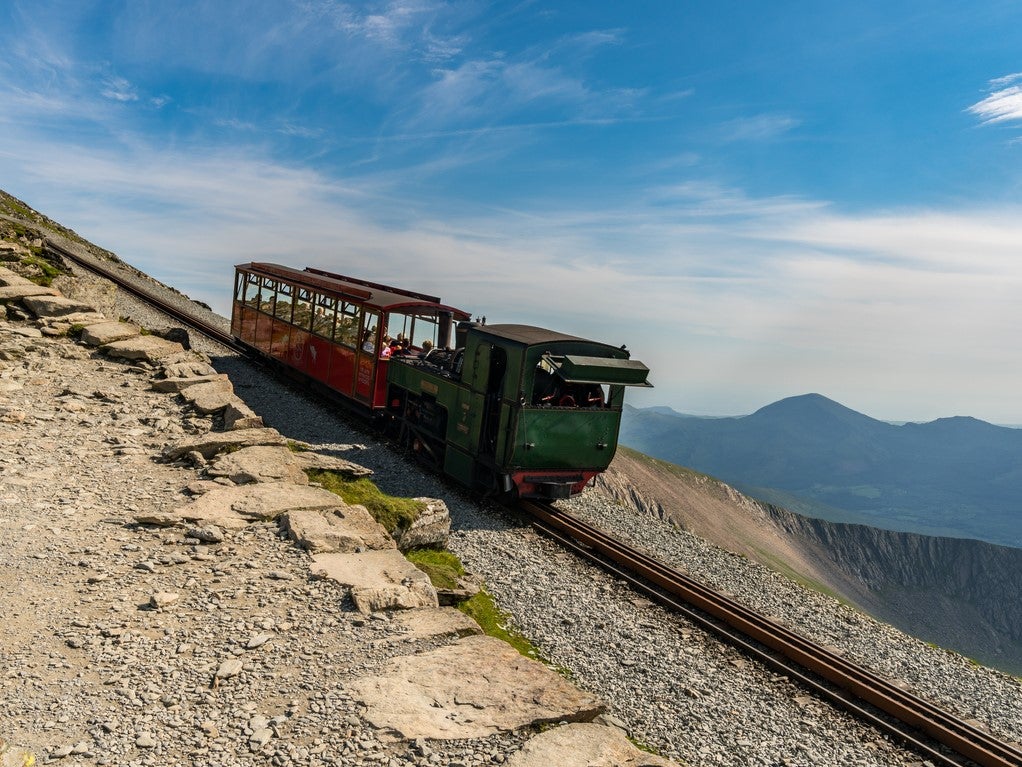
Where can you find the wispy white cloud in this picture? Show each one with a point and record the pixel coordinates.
(118, 89)
(999, 82)
(784, 292)
(1004, 104)
(764, 127)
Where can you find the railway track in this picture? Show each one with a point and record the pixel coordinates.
(192, 321)
(900, 714)
(847, 685)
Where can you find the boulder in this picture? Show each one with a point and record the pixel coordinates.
(210, 397)
(238, 415)
(473, 688)
(584, 745)
(54, 306)
(262, 463)
(177, 335)
(148, 348)
(429, 530)
(379, 580)
(214, 443)
(344, 529)
(108, 332)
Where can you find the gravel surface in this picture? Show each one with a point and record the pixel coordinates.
(677, 690)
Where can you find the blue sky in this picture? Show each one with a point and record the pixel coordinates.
(761, 200)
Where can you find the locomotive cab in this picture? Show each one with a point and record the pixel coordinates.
(537, 413)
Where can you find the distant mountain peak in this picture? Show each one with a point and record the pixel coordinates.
(813, 406)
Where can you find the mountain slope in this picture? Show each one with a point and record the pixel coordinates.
(958, 593)
(954, 476)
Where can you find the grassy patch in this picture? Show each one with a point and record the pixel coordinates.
(47, 271)
(442, 567)
(483, 610)
(393, 513)
(643, 747)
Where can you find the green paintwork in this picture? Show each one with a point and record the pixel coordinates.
(579, 369)
(563, 438)
(493, 428)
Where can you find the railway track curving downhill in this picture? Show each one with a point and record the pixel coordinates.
(909, 718)
(937, 735)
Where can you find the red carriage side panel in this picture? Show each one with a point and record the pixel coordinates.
(341, 374)
(317, 358)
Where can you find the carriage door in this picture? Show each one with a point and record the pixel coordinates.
(497, 367)
(365, 356)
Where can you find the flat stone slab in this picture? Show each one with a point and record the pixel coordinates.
(210, 397)
(308, 460)
(12, 756)
(8, 277)
(55, 306)
(233, 508)
(584, 745)
(177, 385)
(108, 332)
(216, 442)
(379, 580)
(189, 366)
(148, 348)
(26, 289)
(347, 529)
(473, 688)
(261, 463)
(432, 624)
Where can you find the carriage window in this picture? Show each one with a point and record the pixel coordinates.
(417, 327)
(549, 389)
(303, 309)
(250, 291)
(323, 319)
(267, 296)
(282, 309)
(368, 340)
(348, 320)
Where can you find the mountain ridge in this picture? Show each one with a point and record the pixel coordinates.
(957, 476)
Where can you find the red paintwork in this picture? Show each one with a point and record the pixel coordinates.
(364, 379)
(532, 489)
(297, 350)
(353, 373)
(341, 376)
(317, 358)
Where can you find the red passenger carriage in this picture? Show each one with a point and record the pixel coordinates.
(331, 327)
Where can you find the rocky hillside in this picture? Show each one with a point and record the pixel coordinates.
(957, 593)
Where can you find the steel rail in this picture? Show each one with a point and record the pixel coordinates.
(178, 314)
(743, 623)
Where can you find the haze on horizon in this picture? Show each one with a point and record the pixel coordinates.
(759, 201)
